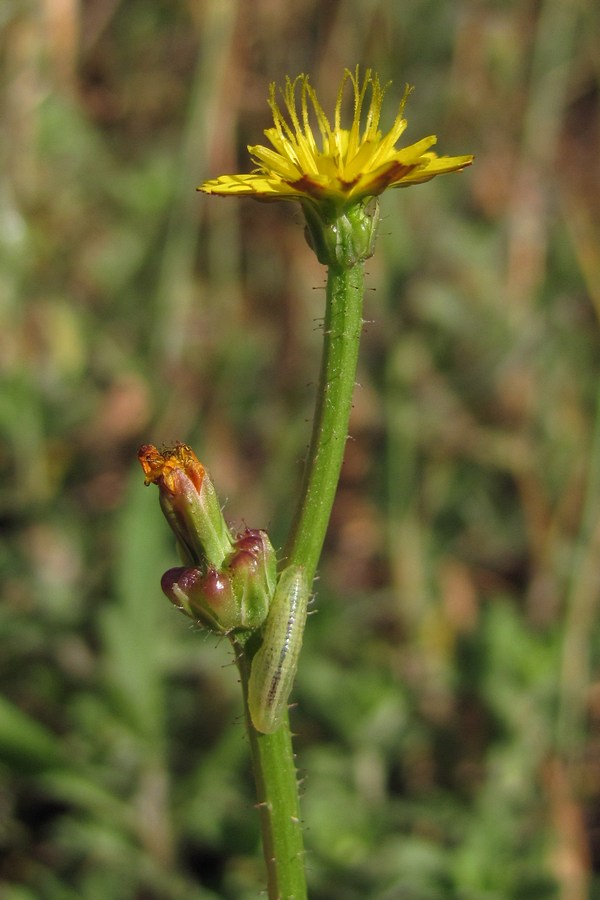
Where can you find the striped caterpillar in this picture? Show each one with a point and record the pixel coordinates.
(274, 666)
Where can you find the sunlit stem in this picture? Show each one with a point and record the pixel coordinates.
(341, 336)
(277, 793)
(272, 754)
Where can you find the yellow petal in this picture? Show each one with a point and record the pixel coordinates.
(351, 164)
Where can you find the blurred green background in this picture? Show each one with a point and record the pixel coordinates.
(448, 718)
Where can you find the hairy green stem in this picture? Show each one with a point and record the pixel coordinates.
(272, 754)
(278, 805)
(341, 337)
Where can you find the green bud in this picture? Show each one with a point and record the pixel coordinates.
(252, 569)
(189, 502)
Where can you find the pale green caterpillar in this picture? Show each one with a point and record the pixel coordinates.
(274, 666)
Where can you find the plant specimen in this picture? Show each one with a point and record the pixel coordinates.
(229, 583)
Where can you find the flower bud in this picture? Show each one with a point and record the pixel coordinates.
(252, 569)
(233, 598)
(189, 502)
(207, 597)
(257, 543)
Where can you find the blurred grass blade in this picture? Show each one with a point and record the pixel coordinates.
(130, 627)
(25, 744)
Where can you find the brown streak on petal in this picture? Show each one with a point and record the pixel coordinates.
(399, 170)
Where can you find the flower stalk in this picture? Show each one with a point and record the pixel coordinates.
(272, 754)
(341, 337)
(278, 804)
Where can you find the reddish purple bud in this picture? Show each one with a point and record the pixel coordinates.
(207, 597)
(243, 561)
(233, 597)
(253, 540)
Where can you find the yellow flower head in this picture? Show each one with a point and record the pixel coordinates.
(347, 165)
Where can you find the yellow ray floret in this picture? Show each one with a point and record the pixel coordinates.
(335, 164)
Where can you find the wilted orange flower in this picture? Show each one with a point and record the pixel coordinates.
(166, 468)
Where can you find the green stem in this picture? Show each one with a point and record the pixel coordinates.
(341, 338)
(278, 806)
(272, 754)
